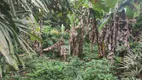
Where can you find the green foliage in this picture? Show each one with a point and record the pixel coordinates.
(104, 5)
(53, 12)
(98, 70)
(133, 8)
(15, 20)
(88, 54)
(8, 28)
(44, 68)
(133, 61)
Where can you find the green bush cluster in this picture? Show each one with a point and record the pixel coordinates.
(43, 68)
(132, 63)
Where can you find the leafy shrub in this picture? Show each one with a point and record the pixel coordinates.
(132, 64)
(43, 68)
(88, 54)
(98, 70)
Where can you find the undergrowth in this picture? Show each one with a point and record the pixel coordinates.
(43, 68)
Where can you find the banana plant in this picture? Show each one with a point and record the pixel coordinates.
(131, 7)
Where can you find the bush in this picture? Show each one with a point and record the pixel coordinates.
(43, 68)
(132, 63)
(98, 70)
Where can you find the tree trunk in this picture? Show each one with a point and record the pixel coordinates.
(76, 41)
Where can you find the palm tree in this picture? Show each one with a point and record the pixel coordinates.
(16, 17)
(19, 17)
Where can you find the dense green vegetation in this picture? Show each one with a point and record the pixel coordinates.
(43, 68)
(70, 40)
